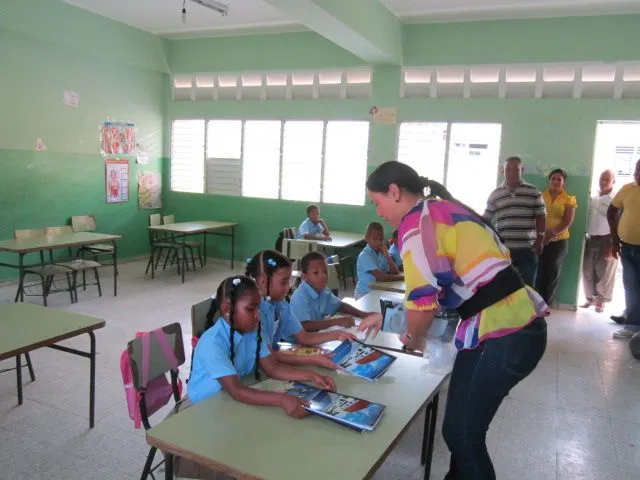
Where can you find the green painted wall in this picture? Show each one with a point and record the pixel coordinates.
(545, 133)
(119, 74)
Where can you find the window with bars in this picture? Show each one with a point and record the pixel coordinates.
(315, 161)
(462, 156)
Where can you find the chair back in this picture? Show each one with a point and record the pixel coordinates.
(155, 219)
(28, 234)
(199, 317)
(296, 249)
(333, 282)
(159, 365)
(167, 219)
(83, 223)
(289, 232)
(58, 230)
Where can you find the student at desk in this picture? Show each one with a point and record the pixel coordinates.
(374, 262)
(312, 301)
(313, 227)
(453, 258)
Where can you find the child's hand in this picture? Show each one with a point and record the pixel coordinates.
(343, 335)
(323, 381)
(371, 324)
(324, 361)
(294, 406)
(346, 322)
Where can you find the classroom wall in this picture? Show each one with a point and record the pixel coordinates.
(119, 73)
(545, 133)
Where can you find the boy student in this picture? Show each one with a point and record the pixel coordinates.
(374, 262)
(313, 227)
(313, 301)
(393, 250)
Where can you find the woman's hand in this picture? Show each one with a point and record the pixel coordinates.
(371, 324)
(323, 381)
(294, 406)
(413, 343)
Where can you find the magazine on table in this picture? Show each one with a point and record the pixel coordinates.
(356, 413)
(362, 360)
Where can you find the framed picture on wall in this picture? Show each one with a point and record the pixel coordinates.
(117, 180)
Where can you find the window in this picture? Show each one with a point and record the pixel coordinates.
(345, 162)
(313, 161)
(261, 159)
(187, 156)
(462, 156)
(302, 161)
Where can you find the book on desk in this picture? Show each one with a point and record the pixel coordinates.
(352, 412)
(362, 360)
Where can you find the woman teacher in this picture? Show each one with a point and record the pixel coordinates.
(454, 259)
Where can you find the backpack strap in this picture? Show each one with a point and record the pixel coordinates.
(167, 351)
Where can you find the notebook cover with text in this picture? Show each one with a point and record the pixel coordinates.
(362, 360)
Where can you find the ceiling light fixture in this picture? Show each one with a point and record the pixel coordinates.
(184, 12)
(214, 5)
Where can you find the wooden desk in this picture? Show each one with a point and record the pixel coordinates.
(184, 229)
(215, 432)
(340, 240)
(27, 327)
(397, 287)
(54, 242)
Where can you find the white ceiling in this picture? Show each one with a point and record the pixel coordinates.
(162, 17)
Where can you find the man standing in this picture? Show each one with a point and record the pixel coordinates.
(519, 213)
(598, 264)
(624, 220)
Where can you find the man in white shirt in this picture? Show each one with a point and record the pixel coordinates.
(599, 265)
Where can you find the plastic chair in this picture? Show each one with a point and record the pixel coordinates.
(158, 366)
(159, 244)
(77, 265)
(190, 244)
(87, 223)
(46, 271)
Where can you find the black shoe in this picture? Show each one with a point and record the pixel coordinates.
(619, 319)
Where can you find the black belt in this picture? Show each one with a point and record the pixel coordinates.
(503, 284)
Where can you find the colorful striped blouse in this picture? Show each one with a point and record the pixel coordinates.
(448, 253)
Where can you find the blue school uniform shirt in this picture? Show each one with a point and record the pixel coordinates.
(308, 304)
(212, 359)
(395, 255)
(368, 261)
(277, 322)
(309, 228)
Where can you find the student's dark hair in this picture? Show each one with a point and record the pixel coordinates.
(266, 263)
(394, 235)
(562, 173)
(311, 257)
(374, 227)
(407, 179)
(311, 208)
(232, 289)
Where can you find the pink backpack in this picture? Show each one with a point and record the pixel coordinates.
(158, 391)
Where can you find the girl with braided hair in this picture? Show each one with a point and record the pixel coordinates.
(272, 272)
(234, 347)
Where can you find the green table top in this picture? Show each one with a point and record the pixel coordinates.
(263, 442)
(341, 239)
(398, 287)
(26, 327)
(55, 241)
(192, 227)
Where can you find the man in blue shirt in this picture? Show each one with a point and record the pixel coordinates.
(313, 227)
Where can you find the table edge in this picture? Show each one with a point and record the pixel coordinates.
(50, 341)
(62, 245)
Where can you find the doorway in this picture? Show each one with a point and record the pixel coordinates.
(617, 147)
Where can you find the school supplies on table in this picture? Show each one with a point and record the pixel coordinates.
(355, 413)
(362, 360)
(302, 350)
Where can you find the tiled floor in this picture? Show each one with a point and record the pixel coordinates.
(577, 417)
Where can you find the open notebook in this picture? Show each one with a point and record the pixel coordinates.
(355, 413)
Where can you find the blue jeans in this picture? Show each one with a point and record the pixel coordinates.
(630, 258)
(480, 380)
(526, 262)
